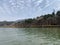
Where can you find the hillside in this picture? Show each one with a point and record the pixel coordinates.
(47, 20)
(42, 21)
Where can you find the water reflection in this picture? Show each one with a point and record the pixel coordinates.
(29, 36)
(49, 32)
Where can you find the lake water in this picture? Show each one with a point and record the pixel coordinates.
(29, 36)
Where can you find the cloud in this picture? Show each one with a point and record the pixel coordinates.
(26, 8)
(49, 4)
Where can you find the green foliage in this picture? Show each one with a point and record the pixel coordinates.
(28, 21)
(58, 13)
(58, 17)
(48, 19)
(48, 15)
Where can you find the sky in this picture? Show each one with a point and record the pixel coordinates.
(11, 10)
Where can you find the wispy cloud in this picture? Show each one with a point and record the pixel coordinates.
(18, 9)
(49, 4)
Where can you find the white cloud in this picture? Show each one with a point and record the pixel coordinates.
(48, 4)
(27, 8)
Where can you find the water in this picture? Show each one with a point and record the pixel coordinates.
(29, 36)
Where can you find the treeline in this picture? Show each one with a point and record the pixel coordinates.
(52, 19)
(5, 23)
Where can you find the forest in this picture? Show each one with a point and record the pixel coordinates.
(47, 20)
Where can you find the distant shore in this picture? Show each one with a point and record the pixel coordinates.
(46, 21)
(43, 26)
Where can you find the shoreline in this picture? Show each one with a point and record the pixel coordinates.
(37, 26)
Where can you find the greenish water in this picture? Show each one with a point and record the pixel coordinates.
(29, 36)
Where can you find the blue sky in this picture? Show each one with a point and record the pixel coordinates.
(20, 9)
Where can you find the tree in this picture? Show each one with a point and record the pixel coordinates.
(28, 21)
(58, 13)
(47, 16)
(53, 13)
(58, 17)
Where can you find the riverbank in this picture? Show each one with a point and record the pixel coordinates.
(43, 26)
